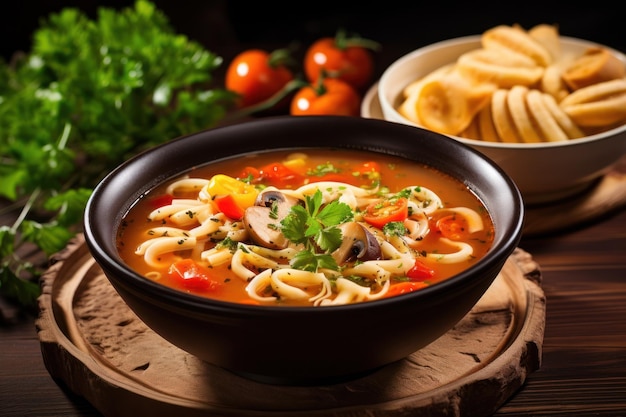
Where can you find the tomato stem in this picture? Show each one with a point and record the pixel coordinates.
(267, 104)
(344, 41)
(319, 87)
(282, 56)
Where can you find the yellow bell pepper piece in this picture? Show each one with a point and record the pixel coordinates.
(243, 193)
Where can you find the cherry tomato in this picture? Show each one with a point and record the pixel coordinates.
(328, 96)
(227, 205)
(452, 227)
(191, 275)
(404, 288)
(257, 75)
(349, 59)
(379, 213)
(420, 272)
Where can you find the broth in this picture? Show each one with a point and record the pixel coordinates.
(322, 227)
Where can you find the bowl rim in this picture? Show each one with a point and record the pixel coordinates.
(102, 245)
(388, 75)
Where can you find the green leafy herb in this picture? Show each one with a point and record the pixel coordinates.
(228, 243)
(406, 193)
(309, 261)
(89, 95)
(315, 227)
(394, 229)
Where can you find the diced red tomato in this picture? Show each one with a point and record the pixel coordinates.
(420, 272)
(280, 176)
(379, 213)
(277, 172)
(405, 288)
(191, 275)
(452, 227)
(162, 200)
(227, 205)
(250, 174)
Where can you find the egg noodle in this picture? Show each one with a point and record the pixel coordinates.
(194, 228)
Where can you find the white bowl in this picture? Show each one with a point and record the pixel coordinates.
(544, 172)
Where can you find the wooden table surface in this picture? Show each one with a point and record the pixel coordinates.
(583, 372)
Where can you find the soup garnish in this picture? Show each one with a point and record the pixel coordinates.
(325, 227)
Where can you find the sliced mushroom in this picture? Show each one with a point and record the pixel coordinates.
(358, 244)
(263, 219)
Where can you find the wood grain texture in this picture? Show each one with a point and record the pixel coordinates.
(102, 351)
(583, 371)
(604, 196)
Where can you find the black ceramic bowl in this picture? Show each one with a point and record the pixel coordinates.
(307, 345)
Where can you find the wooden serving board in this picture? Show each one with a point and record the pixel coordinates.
(96, 345)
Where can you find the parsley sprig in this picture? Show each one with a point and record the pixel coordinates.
(315, 227)
(90, 94)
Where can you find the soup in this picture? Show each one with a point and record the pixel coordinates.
(316, 228)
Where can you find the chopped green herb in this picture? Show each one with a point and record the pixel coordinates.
(228, 243)
(274, 210)
(323, 169)
(394, 229)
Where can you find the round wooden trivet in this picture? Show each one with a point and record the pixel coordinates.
(96, 345)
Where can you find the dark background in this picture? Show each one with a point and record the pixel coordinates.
(226, 27)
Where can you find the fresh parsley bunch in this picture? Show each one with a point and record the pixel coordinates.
(90, 94)
(316, 227)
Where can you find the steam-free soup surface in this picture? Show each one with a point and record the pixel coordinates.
(316, 228)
